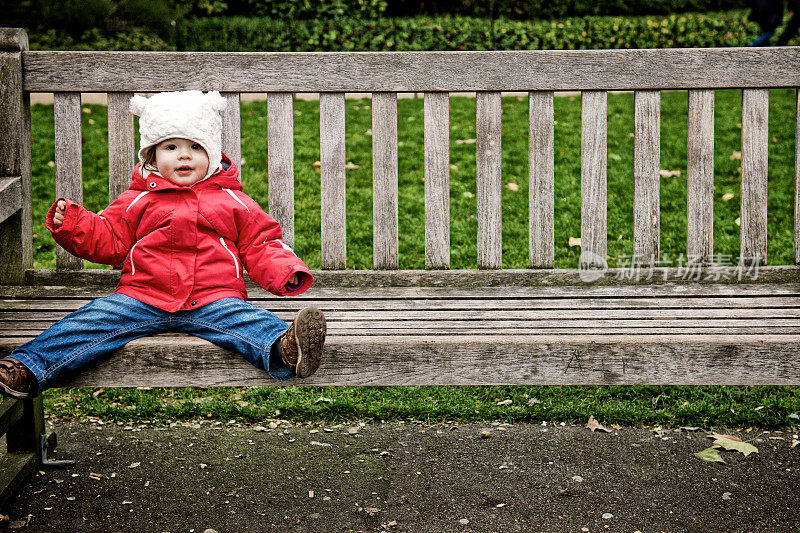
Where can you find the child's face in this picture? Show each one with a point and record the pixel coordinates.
(181, 161)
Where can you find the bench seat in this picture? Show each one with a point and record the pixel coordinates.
(653, 334)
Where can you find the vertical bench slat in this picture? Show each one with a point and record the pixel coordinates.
(280, 164)
(121, 144)
(437, 180)
(16, 231)
(332, 159)
(797, 179)
(755, 145)
(489, 187)
(384, 181)
(232, 129)
(647, 163)
(67, 111)
(541, 176)
(700, 178)
(594, 146)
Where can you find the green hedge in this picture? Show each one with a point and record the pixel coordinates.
(722, 29)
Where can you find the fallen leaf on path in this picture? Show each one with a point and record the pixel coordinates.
(134, 465)
(711, 455)
(730, 442)
(594, 425)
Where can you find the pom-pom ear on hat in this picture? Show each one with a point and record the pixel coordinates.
(189, 115)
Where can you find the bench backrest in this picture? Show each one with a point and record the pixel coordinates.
(384, 75)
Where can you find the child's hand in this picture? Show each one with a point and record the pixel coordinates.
(293, 280)
(58, 216)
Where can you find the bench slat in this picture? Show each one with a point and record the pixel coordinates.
(121, 144)
(517, 70)
(647, 180)
(437, 180)
(755, 146)
(700, 170)
(69, 173)
(489, 181)
(232, 128)
(468, 359)
(385, 213)
(10, 197)
(280, 163)
(797, 182)
(594, 188)
(334, 199)
(541, 175)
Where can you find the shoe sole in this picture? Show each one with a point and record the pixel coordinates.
(309, 333)
(8, 391)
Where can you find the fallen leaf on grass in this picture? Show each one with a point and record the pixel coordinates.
(466, 141)
(594, 425)
(574, 241)
(711, 455)
(728, 196)
(736, 155)
(317, 165)
(505, 402)
(98, 392)
(669, 173)
(512, 186)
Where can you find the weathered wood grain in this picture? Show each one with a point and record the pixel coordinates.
(797, 182)
(437, 180)
(414, 360)
(121, 144)
(647, 180)
(69, 169)
(385, 215)
(16, 231)
(700, 177)
(541, 176)
(14, 469)
(489, 180)
(755, 146)
(232, 128)
(594, 178)
(10, 197)
(334, 199)
(519, 70)
(280, 165)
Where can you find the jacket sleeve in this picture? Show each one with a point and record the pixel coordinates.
(104, 238)
(269, 261)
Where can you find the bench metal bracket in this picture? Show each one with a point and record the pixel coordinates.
(44, 461)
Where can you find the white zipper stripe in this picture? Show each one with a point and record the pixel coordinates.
(235, 261)
(136, 200)
(133, 267)
(236, 198)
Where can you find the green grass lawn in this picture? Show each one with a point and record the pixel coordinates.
(667, 405)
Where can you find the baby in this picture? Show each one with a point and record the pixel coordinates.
(183, 231)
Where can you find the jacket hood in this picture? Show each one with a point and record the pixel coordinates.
(227, 177)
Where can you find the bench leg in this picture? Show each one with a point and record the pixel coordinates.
(26, 443)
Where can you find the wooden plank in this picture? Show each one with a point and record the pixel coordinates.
(15, 468)
(797, 181)
(121, 144)
(755, 147)
(232, 128)
(334, 199)
(489, 186)
(10, 197)
(15, 159)
(280, 165)
(594, 188)
(616, 277)
(413, 360)
(69, 171)
(700, 178)
(385, 214)
(519, 70)
(437, 180)
(541, 176)
(11, 412)
(647, 180)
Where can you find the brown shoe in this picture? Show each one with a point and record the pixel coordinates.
(15, 379)
(301, 345)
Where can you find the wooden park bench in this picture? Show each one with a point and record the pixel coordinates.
(735, 324)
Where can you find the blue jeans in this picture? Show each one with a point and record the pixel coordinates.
(106, 324)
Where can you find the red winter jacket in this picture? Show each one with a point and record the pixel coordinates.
(184, 247)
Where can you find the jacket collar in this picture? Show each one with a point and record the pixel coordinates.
(227, 177)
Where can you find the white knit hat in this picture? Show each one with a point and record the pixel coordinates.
(186, 114)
